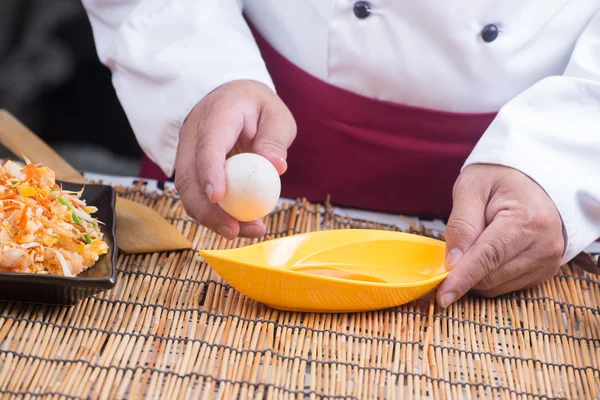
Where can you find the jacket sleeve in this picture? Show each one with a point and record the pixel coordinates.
(551, 132)
(165, 56)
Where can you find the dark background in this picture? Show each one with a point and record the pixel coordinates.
(51, 79)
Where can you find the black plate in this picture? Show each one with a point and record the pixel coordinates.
(60, 290)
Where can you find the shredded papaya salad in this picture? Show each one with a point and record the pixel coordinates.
(43, 228)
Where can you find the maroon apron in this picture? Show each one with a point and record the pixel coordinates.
(366, 153)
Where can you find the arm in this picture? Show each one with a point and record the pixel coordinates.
(165, 56)
(551, 132)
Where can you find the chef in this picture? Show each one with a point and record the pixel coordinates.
(483, 113)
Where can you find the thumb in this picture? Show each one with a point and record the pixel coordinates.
(216, 134)
(467, 219)
(275, 133)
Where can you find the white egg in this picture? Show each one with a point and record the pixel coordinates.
(253, 187)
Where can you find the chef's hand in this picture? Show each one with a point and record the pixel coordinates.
(504, 234)
(238, 117)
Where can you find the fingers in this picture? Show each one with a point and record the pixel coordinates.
(524, 281)
(521, 245)
(467, 220)
(532, 266)
(501, 241)
(508, 272)
(275, 134)
(196, 203)
(252, 229)
(232, 119)
(216, 135)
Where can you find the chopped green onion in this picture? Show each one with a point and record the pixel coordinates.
(68, 205)
(75, 217)
(70, 208)
(64, 202)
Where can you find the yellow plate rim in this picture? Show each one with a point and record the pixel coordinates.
(211, 254)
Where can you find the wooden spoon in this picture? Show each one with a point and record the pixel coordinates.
(140, 229)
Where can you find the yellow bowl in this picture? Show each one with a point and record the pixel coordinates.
(346, 270)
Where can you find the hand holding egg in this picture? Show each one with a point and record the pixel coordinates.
(253, 187)
(246, 120)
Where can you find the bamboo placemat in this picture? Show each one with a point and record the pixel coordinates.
(172, 328)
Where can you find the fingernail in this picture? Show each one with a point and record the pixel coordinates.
(447, 299)
(284, 165)
(453, 258)
(277, 159)
(251, 231)
(225, 231)
(209, 190)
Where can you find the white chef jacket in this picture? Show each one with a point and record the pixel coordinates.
(542, 72)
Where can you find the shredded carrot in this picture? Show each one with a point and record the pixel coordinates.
(31, 172)
(23, 220)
